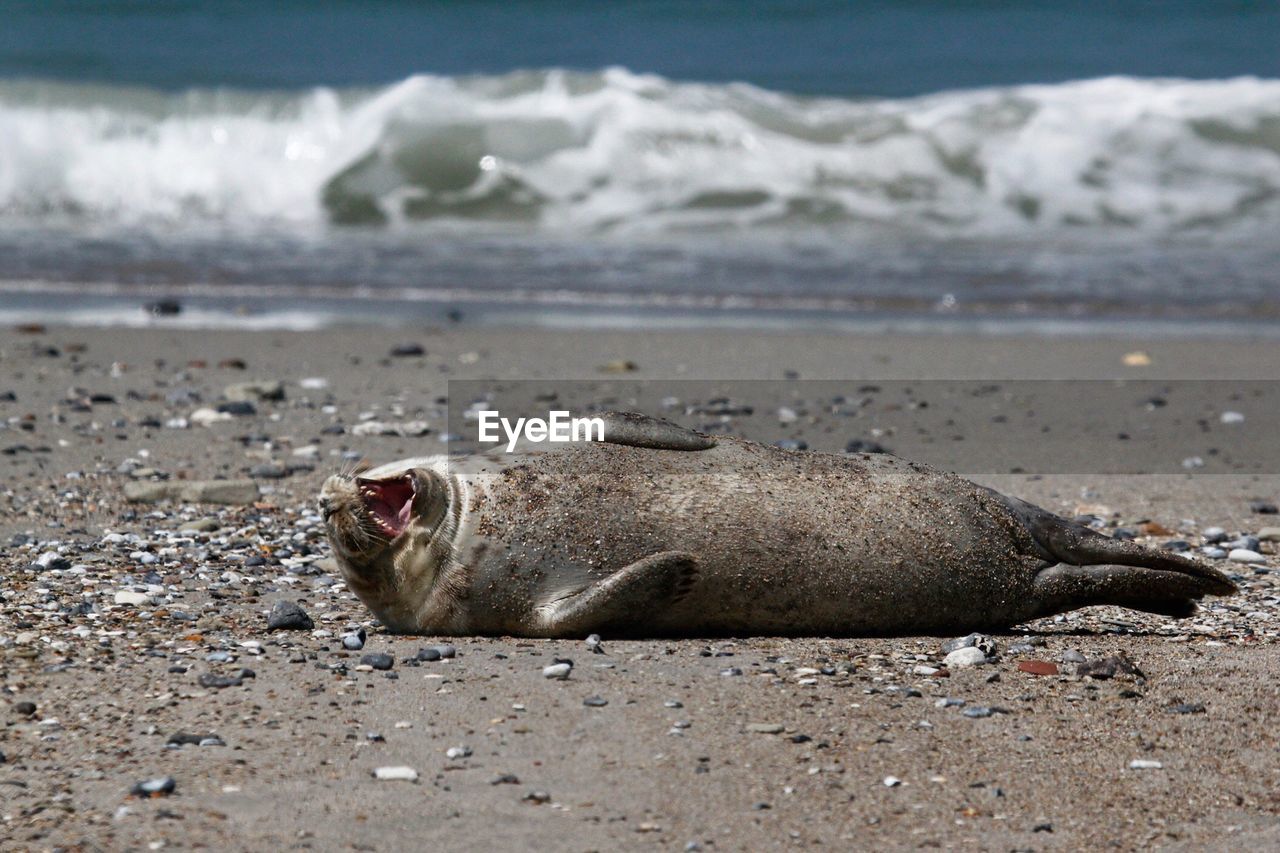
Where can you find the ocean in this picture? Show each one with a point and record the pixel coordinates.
(765, 163)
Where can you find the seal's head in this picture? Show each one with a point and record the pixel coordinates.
(390, 532)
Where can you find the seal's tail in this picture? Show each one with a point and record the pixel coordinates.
(1086, 568)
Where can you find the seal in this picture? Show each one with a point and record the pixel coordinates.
(663, 531)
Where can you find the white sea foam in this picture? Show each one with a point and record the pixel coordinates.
(626, 153)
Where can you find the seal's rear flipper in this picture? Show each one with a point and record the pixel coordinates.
(624, 599)
(1083, 568)
(637, 430)
(1060, 588)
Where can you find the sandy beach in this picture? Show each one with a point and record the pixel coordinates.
(126, 626)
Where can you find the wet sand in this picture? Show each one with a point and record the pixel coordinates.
(109, 639)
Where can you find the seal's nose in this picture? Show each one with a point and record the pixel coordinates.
(326, 507)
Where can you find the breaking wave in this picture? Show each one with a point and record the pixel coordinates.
(622, 153)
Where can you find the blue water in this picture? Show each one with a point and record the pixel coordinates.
(983, 159)
(886, 49)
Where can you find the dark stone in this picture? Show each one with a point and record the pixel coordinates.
(791, 444)
(378, 661)
(1187, 708)
(238, 408)
(26, 709)
(163, 308)
(858, 445)
(218, 682)
(1263, 507)
(595, 701)
(407, 350)
(188, 739)
(288, 616)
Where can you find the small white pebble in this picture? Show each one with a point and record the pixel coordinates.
(395, 774)
(1144, 764)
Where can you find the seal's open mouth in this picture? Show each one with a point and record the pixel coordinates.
(389, 503)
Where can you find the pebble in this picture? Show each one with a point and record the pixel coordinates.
(559, 670)
(235, 408)
(269, 389)
(354, 641)
(268, 471)
(1244, 555)
(1072, 656)
(1231, 418)
(1263, 507)
(595, 701)
(979, 641)
(1214, 535)
(288, 616)
(161, 786)
(407, 429)
(458, 752)
(399, 773)
(1144, 764)
(200, 525)
(1038, 667)
(125, 596)
(1214, 553)
(431, 653)
(593, 644)
(1187, 708)
(188, 739)
(407, 350)
(378, 661)
(977, 711)
(892, 781)
(765, 728)
(1269, 534)
(964, 657)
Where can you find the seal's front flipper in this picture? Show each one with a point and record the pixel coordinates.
(625, 599)
(637, 430)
